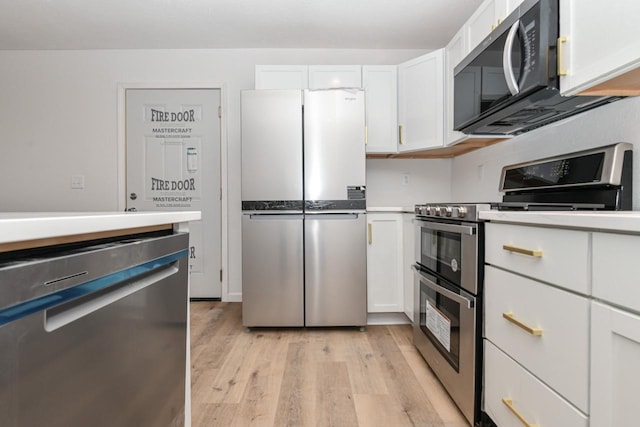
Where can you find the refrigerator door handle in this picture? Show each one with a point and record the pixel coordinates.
(274, 217)
(340, 216)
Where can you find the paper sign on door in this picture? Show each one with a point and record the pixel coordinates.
(439, 325)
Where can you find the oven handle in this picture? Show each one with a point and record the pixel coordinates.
(444, 291)
(452, 228)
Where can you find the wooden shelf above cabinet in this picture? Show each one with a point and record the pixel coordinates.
(627, 84)
(458, 149)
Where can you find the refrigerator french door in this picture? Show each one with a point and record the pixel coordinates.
(272, 259)
(272, 204)
(303, 201)
(335, 273)
(335, 219)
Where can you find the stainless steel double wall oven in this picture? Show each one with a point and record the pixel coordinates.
(448, 274)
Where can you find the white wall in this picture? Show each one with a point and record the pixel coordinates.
(58, 117)
(475, 176)
(429, 181)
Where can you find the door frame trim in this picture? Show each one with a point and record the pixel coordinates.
(122, 155)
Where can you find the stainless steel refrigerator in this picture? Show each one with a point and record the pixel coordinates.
(303, 201)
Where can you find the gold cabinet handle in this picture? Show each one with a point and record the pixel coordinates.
(509, 404)
(493, 27)
(370, 233)
(535, 253)
(401, 134)
(533, 331)
(366, 135)
(561, 71)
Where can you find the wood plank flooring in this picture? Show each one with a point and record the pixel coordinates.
(309, 377)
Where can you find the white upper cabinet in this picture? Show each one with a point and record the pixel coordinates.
(486, 18)
(454, 53)
(380, 84)
(334, 76)
(601, 54)
(421, 102)
(281, 77)
(480, 23)
(307, 76)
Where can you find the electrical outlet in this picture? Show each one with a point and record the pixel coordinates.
(405, 179)
(77, 181)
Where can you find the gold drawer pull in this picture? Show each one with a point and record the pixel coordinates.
(533, 331)
(561, 71)
(511, 248)
(514, 411)
(370, 227)
(401, 134)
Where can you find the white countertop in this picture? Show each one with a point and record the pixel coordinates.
(626, 221)
(408, 209)
(21, 226)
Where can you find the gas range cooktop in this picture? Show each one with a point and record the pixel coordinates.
(596, 179)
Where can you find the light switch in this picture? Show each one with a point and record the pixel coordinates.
(77, 181)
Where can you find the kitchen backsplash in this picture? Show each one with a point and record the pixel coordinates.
(405, 182)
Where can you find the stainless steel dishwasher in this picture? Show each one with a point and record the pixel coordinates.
(95, 335)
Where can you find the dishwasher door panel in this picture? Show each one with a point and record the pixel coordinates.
(272, 270)
(113, 356)
(335, 270)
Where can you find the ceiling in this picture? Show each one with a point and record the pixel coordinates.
(194, 24)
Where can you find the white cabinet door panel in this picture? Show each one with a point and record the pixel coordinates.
(616, 270)
(384, 263)
(281, 76)
(615, 367)
(334, 76)
(592, 57)
(381, 98)
(421, 102)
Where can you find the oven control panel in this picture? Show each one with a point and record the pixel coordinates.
(453, 211)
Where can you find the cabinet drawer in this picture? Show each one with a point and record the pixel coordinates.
(616, 269)
(551, 255)
(534, 402)
(556, 345)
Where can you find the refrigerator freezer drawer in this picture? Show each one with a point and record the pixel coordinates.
(272, 270)
(335, 270)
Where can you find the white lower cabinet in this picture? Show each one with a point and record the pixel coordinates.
(384, 263)
(615, 366)
(544, 328)
(514, 397)
(561, 351)
(615, 331)
(409, 255)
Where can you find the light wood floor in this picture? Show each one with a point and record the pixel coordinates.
(309, 377)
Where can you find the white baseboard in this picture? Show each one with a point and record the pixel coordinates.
(387, 319)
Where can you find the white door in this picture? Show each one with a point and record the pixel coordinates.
(173, 163)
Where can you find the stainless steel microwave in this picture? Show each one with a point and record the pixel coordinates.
(509, 84)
